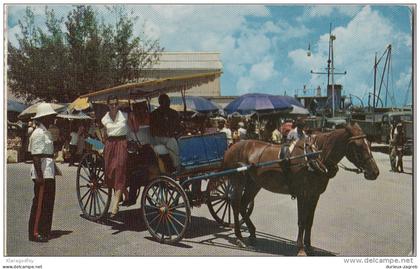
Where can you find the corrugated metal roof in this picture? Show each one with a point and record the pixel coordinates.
(188, 60)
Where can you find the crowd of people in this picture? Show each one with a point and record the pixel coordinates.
(154, 132)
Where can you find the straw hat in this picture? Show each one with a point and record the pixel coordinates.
(43, 110)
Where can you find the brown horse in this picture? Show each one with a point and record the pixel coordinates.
(294, 178)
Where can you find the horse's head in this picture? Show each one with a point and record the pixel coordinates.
(358, 152)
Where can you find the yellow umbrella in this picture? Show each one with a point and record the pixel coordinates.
(80, 103)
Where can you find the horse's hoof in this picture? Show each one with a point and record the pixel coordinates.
(302, 253)
(240, 243)
(252, 240)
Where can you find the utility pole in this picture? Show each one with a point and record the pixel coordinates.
(330, 69)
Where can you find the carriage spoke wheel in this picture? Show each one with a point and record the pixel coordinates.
(220, 203)
(93, 196)
(166, 210)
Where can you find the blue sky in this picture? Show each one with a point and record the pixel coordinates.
(264, 48)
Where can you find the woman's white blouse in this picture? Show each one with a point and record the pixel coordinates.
(118, 127)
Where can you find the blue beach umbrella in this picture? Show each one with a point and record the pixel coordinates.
(15, 106)
(195, 103)
(258, 102)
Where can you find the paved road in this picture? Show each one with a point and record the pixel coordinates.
(354, 217)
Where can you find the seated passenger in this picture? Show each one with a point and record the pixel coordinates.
(165, 126)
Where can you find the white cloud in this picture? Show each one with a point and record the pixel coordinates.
(258, 74)
(285, 30)
(319, 11)
(191, 28)
(152, 30)
(348, 10)
(11, 35)
(403, 81)
(248, 52)
(354, 50)
(245, 85)
(263, 70)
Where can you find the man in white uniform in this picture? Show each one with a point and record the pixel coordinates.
(43, 171)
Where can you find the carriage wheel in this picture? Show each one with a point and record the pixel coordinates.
(94, 198)
(220, 203)
(166, 210)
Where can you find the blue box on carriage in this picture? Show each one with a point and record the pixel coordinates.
(202, 149)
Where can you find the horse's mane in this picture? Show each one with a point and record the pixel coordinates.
(330, 145)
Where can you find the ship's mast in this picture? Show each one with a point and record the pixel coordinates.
(387, 64)
(330, 69)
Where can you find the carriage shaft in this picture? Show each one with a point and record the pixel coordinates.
(247, 167)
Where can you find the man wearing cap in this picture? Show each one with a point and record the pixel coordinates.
(43, 174)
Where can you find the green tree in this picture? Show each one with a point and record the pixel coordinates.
(21, 60)
(88, 55)
(131, 54)
(83, 43)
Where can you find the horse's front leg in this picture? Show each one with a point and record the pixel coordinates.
(301, 225)
(311, 206)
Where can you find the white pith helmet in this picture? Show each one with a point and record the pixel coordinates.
(43, 110)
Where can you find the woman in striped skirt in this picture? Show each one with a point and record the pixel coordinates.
(115, 152)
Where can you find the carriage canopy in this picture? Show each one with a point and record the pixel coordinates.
(150, 89)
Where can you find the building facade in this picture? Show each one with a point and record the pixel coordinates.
(172, 64)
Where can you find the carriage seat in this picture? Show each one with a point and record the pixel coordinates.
(205, 150)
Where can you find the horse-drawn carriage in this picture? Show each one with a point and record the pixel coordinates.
(167, 198)
(234, 177)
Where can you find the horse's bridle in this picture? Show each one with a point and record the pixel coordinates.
(358, 162)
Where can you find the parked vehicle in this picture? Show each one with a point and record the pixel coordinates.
(377, 126)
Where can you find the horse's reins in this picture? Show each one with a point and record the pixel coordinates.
(358, 170)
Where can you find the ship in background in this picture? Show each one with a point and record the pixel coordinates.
(335, 109)
(328, 111)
